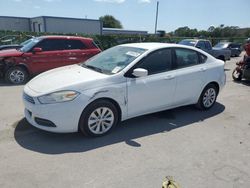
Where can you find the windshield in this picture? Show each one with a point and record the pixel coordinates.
(30, 44)
(188, 42)
(26, 42)
(221, 45)
(113, 60)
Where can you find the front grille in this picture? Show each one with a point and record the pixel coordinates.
(28, 98)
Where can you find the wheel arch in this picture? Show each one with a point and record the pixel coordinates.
(215, 84)
(114, 102)
(25, 67)
(217, 87)
(212, 82)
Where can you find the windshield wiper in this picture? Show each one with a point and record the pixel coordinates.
(93, 68)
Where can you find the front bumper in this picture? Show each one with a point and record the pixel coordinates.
(59, 117)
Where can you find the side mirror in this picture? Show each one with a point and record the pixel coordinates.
(37, 50)
(139, 72)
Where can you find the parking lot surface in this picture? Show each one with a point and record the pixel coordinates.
(199, 149)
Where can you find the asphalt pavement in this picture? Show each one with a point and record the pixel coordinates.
(200, 149)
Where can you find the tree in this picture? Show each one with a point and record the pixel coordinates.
(211, 28)
(110, 22)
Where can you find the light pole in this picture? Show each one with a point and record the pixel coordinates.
(156, 19)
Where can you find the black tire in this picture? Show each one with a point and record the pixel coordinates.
(237, 75)
(104, 126)
(206, 102)
(16, 75)
(222, 58)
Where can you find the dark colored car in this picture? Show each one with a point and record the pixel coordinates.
(44, 53)
(235, 48)
(205, 45)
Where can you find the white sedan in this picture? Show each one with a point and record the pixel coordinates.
(120, 83)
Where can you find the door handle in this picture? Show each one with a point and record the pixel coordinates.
(203, 69)
(169, 77)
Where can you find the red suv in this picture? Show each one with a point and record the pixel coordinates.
(42, 54)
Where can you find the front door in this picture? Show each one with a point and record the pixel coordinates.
(153, 92)
(50, 57)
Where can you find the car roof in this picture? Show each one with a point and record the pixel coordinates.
(155, 45)
(63, 37)
(196, 40)
(223, 42)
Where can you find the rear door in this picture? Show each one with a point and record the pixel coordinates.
(190, 75)
(76, 51)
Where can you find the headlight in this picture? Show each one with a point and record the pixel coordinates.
(59, 96)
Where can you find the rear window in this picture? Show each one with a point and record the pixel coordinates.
(186, 57)
(202, 58)
(96, 44)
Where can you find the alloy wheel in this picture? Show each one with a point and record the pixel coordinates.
(209, 97)
(17, 76)
(101, 120)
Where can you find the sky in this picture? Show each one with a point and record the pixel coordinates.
(139, 14)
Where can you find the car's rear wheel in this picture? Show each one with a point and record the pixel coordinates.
(208, 97)
(98, 118)
(16, 75)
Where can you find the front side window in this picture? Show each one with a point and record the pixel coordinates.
(157, 62)
(186, 58)
(51, 45)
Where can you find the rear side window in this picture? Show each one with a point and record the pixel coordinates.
(186, 58)
(203, 58)
(157, 62)
(74, 44)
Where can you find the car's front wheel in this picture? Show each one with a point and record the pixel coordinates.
(98, 118)
(16, 75)
(208, 97)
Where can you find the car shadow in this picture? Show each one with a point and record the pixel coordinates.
(40, 141)
(4, 83)
(243, 82)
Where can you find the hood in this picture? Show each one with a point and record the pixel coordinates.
(10, 53)
(61, 79)
(218, 48)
